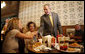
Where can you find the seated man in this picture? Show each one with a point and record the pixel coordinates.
(79, 34)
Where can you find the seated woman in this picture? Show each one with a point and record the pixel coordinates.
(10, 44)
(31, 29)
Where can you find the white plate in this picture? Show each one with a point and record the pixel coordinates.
(69, 51)
(72, 40)
(76, 50)
(81, 46)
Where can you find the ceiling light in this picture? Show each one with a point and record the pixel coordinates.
(3, 4)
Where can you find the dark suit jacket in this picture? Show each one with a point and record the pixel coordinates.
(46, 26)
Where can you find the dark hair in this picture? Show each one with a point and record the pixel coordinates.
(77, 24)
(28, 25)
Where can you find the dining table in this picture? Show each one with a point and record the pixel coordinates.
(54, 50)
(30, 48)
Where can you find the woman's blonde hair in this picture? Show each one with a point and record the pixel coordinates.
(13, 24)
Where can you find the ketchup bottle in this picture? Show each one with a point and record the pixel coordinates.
(57, 37)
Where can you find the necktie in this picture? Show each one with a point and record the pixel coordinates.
(51, 19)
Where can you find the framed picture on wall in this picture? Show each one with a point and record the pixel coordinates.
(70, 31)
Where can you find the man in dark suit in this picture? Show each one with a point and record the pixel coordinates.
(49, 22)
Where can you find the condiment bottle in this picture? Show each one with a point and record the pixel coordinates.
(53, 40)
(39, 36)
(67, 38)
(61, 42)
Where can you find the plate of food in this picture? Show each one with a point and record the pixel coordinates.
(42, 48)
(70, 50)
(36, 44)
(75, 45)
